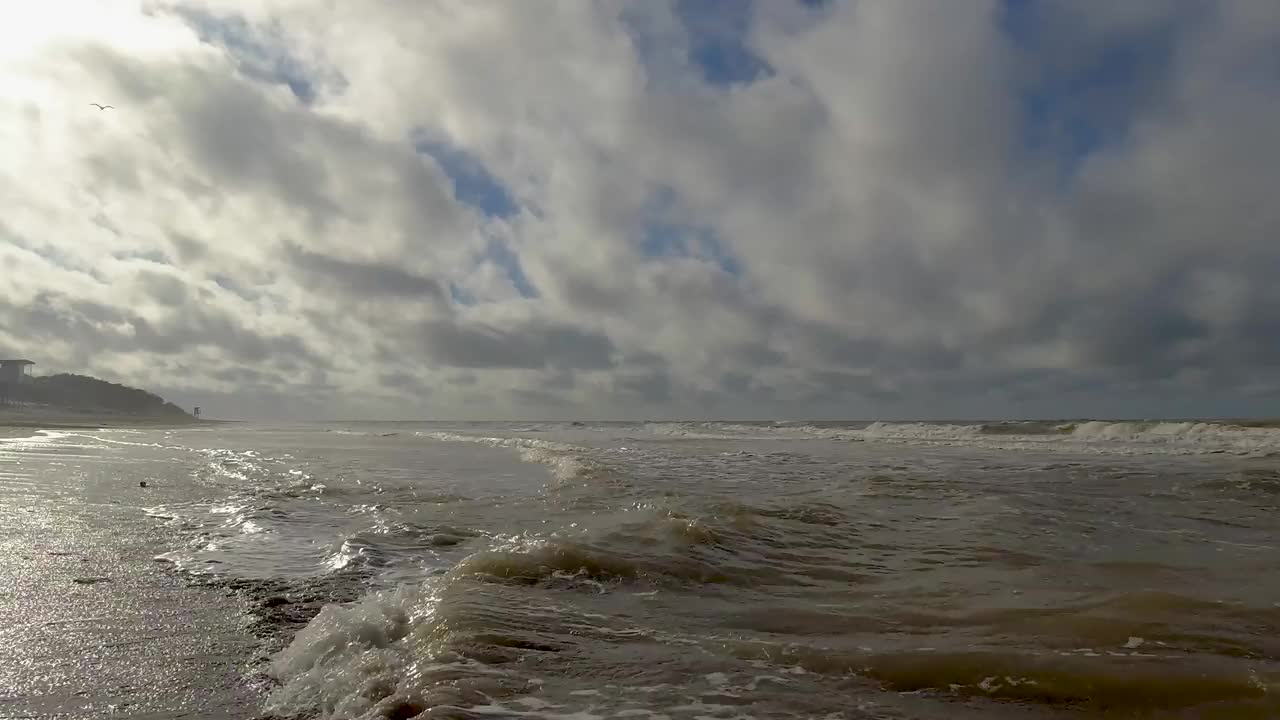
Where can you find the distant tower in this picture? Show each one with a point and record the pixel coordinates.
(13, 375)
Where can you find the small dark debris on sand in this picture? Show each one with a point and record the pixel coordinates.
(90, 580)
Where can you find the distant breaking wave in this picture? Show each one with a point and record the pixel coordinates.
(1085, 436)
(566, 462)
(1126, 437)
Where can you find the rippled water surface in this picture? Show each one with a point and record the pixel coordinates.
(726, 571)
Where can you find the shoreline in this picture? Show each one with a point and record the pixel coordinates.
(94, 624)
(41, 420)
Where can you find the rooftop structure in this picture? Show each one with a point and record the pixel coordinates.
(14, 370)
(13, 374)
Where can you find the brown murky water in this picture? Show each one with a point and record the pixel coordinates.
(731, 571)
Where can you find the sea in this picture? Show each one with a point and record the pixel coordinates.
(673, 570)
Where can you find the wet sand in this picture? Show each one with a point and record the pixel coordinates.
(57, 419)
(91, 624)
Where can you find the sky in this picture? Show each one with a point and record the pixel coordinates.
(628, 209)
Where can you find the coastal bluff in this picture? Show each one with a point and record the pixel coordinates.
(68, 396)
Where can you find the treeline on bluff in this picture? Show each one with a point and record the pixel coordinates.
(81, 392)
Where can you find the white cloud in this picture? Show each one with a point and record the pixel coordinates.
(864, 228)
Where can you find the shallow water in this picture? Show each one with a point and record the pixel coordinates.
(736, 570)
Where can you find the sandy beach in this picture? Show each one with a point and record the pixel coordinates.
(93, 626)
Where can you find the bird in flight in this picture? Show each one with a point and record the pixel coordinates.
(103, 107)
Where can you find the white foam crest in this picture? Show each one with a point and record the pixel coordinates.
(566, 462)
(563, 466)
(349, 554)
(391, 649)
(728, 431)
(129, 443)
(357, 662)
(1177, 432)
(331, 665)
(693, 431)
(39, 438)
(1097, 437)
(508, 442)
(1100, 437)
(363, 433)
(915, 431)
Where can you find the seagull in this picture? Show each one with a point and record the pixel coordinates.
(103, 107)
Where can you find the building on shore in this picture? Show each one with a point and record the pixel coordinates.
(13, 376)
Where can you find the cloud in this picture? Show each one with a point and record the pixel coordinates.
(532, 345)
(366, 279)
(847, 208)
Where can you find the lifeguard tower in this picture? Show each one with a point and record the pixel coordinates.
(13, 376)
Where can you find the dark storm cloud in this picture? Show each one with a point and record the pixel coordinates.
(403, 382)
(218, 330)
(757, 354)
(97, 329)
(245, 377)
(735, 383)
(654, 387)
(836, 383)
(584, 291)
(532, 345)
(189, 249)
(539, 398)
(164, 288)
(367, 279)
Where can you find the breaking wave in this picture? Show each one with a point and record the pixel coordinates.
(566, 462)
(1098, 436)
(663, 578)
(1095, 436)
(463, 645)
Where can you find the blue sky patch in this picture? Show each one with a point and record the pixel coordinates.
(713, 40)
(460, 296)
(719, 31)
(473, 184)
(1075, 105)
(257, 57)
(664, 239)
(502, 256)
(664, 235)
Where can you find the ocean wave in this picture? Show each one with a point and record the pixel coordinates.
(713, 430)
(495, 441)
(387, 544)
(362, 433)
(464, 646)
(552, 560)
(1094, 436)
(1117, 681)
(470, 648)
(388, 655)
(566, 462)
